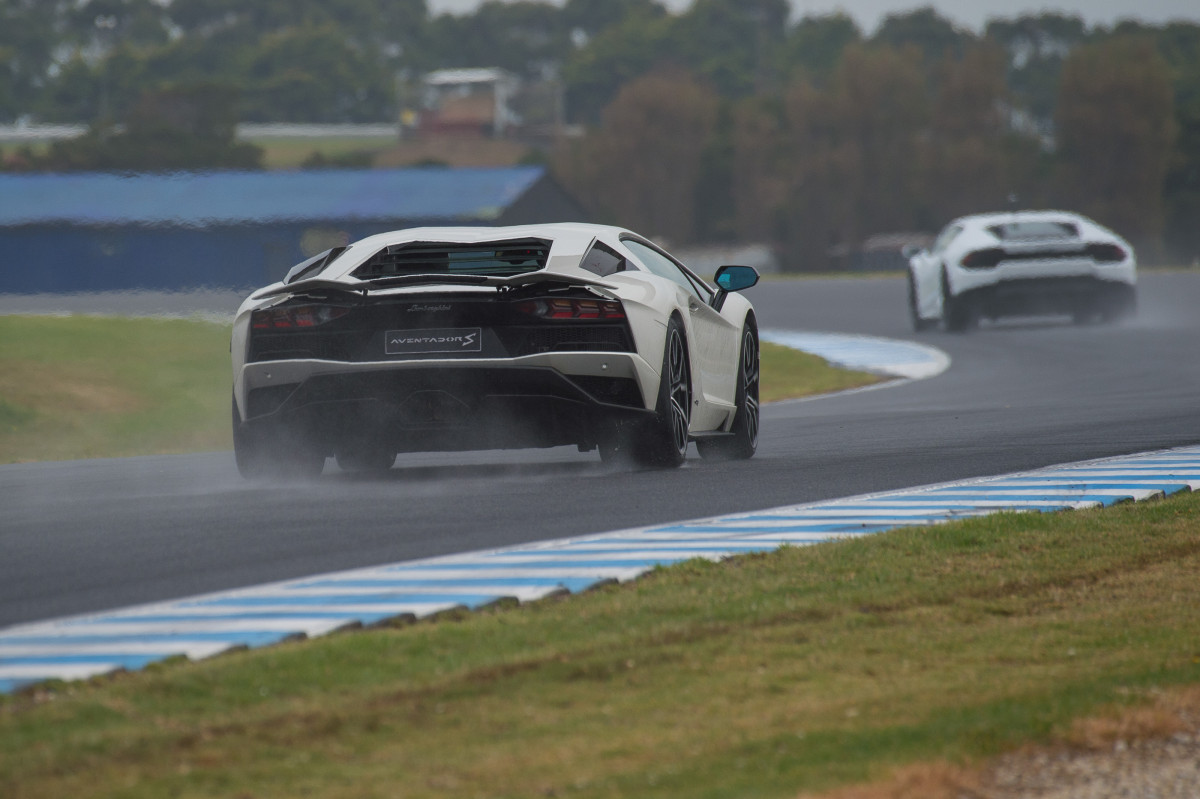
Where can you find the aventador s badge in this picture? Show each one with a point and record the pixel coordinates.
(420, 342)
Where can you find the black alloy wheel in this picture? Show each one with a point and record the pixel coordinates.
(958, 313)
(743, 439)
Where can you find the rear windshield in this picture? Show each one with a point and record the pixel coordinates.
(500, 258)
(1025, 231)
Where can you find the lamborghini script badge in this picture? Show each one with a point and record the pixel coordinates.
(415, 342)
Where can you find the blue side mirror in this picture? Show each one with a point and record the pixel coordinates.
(736, 278)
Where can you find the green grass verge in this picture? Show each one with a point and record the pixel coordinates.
(789, 374)
(798, 670)
(291, 152)
(92, 387)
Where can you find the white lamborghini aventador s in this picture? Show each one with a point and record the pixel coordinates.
(466, 338)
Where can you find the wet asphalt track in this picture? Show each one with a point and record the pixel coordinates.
(83, 536)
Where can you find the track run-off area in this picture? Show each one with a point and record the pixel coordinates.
(200, 627)
(115, 564)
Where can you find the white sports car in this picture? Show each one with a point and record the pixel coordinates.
(466, 338)
(1021, 263)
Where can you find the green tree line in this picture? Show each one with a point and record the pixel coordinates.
(728, 121)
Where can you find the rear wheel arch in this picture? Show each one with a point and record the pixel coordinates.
(271, 451)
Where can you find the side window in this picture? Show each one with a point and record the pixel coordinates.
(313, 266)
(603, 260)
(663, 266)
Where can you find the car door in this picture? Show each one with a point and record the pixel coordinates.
(927, 272)
(712, 339)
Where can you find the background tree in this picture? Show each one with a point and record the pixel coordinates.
(926, 30)
(528, 38)
(966, 159)
(715, 209)
(314, 60)
(735, 45)
(762, 151)
(827, 165)
(612, 58)
(1115, 122)
(642, 166)
(179, 128)
(822, 169)
(77, 93)
(815, 45)
(881, 107)
(315, 74)
(1037, 46)
(95, 25)
(1179, 44)
(595, 16)
(29, 32)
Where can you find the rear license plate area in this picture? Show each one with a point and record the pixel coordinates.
(433, 340)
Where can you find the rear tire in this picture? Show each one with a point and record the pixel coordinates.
(958, 313)
(271, 453)
(247, 449)
(743, 439)
(664, 440)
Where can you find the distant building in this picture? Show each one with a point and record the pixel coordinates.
(469, 102)
(106, 232)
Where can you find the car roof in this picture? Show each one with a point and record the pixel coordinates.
(570, 241)
(1009, 217)
(558, 231)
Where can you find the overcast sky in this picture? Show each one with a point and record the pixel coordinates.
(969, 13)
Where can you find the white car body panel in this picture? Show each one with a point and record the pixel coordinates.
(713, 335)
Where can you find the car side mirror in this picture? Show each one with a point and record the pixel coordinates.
(735, 278)
(909, 250)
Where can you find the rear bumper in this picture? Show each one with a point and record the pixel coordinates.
(444, 406)
(1052, 295)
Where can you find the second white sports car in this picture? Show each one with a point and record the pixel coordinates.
(1021, 263)
(491, 338)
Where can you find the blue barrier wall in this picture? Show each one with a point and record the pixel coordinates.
(63, 258)
(173, 232)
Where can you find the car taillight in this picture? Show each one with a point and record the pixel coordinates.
(295, 317)
(1106, 253)
(983, 259)
(559, 308)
